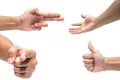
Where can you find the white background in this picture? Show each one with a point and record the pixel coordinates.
(58, 52)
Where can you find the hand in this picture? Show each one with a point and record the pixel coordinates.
(32, 19)
(24, 61)
(94, 61)
(87, 25)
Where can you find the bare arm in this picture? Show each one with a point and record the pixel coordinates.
(9, 23)
(24, 60)
(90, 23)
(96, 62)
(5, 44)
(110, 15)
(112, 63)
(30, 20)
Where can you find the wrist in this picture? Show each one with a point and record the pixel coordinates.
(17, 22)
(106, 63)
(9, 23)
(112, 63)
(98, 22)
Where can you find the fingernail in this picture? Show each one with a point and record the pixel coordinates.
(10, 60)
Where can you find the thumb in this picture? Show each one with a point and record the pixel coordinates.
(33, 10)
(13, 53)
(83, 16)
(91, 48)
(27, 53)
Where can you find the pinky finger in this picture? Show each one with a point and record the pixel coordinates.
(90, 69)
(23, 75)
(75, 32)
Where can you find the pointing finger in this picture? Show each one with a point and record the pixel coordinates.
(54, 19)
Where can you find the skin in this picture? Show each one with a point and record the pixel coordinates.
(24, 60)
(30, 20)
(96, 62)
(93, 61)
(111, 14)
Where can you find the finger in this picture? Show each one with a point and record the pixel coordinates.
(20, 69)
(90, 69)
(13, 53)
(54, 19)
(41, 24)
(91, 48)
(27, 54)
(33, 10)
(51, 15)
(74, 29)
(87, 56)
(88, 61)
(38, 28)
(23, 75)
(76, 24)
(88, 65)
(83, 16)
(77, 31)
(17, 62)
(35, 27)
(24, 69)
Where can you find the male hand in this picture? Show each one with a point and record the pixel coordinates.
(32, 19)
(24, 61)
(87, 25)
(94, 62)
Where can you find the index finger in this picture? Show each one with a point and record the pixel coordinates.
(87, 56)
(51, 15)
(54, 19)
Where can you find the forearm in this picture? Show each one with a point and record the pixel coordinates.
(112, 63)
(9, 23)
(5, 44)
(110, 15)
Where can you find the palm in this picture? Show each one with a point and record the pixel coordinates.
(85, 26)
(98, 62)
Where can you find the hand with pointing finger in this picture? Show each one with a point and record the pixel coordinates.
(30, 20)
(24, 61)
(33, 19)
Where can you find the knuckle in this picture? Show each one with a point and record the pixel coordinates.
(34, 62)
